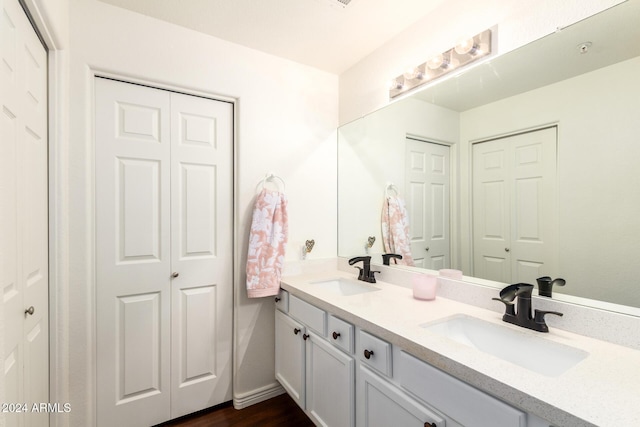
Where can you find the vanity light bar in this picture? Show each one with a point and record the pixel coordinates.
(465, 52)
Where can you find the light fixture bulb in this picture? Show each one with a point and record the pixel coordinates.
(411, 73)
(394, 84)
(435, 62)
(466, 46)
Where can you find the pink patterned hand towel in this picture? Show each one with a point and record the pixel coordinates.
(395, 230)
(267, 241)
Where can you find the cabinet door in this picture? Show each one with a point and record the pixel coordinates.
(290, 357)
(381, 404)
(330, 384)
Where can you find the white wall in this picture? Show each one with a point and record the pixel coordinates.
(598, 178)
(286, 123)
(363, 88)
(371, 154)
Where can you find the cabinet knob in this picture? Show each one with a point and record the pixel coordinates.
(336, 335)
(175, 274)
(278, 299)
(426, 249)
(296, 331)
(305, 336)
(428, 424)
(30, 311)
(506, 249)
(368, 354)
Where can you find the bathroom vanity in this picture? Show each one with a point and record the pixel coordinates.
(360, 354)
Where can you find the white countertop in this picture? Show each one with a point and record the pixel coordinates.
(601, 390)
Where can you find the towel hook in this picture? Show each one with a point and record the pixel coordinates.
(391, 186)
(271, 177)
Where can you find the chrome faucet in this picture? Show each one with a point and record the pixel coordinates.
(366, 274)
(519, 313)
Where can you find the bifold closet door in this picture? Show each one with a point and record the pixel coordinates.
(201, 253)
(24, 257)
(164, 253)
(514, 207)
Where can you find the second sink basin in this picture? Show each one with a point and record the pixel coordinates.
(345, 287)
(525, 349)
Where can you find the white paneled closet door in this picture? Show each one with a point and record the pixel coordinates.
(427, 183)
(514, 207)
(164, 253)
(24, 271)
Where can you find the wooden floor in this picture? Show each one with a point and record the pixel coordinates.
(280, 411)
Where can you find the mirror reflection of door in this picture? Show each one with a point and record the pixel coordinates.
(427, 184)
(514, 206)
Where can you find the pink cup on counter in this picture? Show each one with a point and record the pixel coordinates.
(424, 286)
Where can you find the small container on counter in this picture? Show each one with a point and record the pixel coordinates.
(424, 286)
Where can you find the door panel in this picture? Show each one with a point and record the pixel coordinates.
(428, 192)
(138, 342)
(201, 252)
(133, 254)
(24, 277)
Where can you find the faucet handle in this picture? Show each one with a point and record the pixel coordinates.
(360, 273)
(510, 306)
(539, 319)
(539, 315)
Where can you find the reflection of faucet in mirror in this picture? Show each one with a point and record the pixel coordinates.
(522, 316)
(387, 257)
(545, 285)
(370, 241)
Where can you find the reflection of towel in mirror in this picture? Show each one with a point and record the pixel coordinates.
(267, 241)
(395, 229)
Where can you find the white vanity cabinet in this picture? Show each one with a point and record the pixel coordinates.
(315, 370)
(380, 386)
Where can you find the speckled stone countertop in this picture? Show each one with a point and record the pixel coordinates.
(601, 390)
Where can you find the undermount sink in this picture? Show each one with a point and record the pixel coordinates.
(522, 348)
(345, 287)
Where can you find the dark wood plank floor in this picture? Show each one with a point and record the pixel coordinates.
(280, 411)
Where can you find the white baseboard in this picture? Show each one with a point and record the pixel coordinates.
(256, 396)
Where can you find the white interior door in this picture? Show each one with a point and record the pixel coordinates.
(24, 271)
(201, 253)
(133, 257)
(491, 212)
(164, 253)
(428, 192)
(514, 197)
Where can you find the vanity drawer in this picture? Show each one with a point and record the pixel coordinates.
(340, 334)
(282, 301)
(308, 314)
(374, 352)
(456, 399)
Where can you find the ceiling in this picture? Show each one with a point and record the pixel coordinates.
(319, 33)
